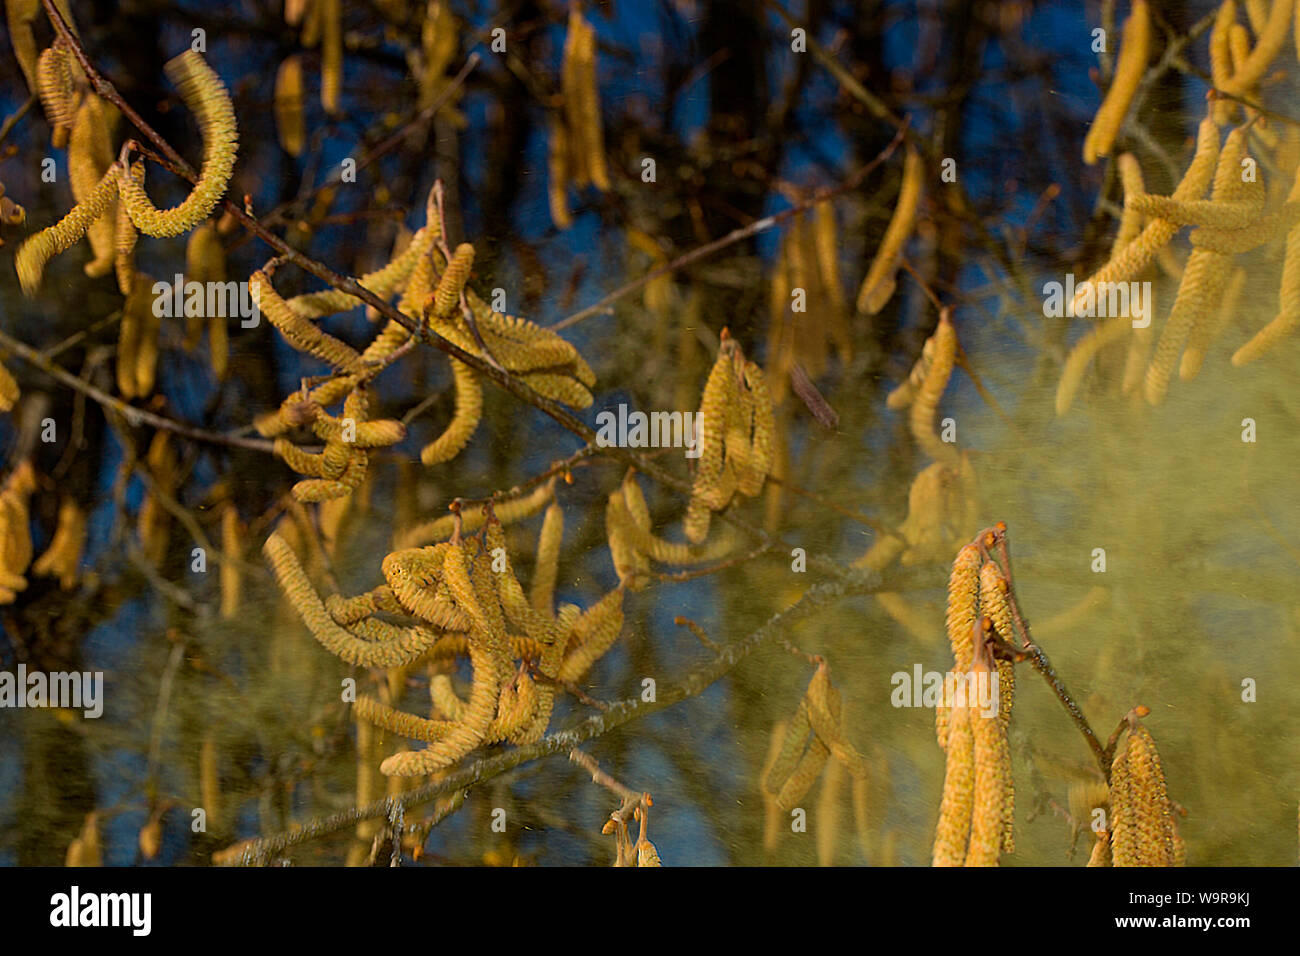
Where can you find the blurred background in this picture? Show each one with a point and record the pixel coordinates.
(239, 713)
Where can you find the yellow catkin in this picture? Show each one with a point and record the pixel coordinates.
(446, 296)
(1100, 855)
(879, 284)
(557, 174)
(959, 621)
(953, 829)
(54, 82)
(1288, 316)
(141, 302)
(1198, 212)
(205, 261)
(15, 530)
(9, 391)
(827, 817)
(410, 726)
(19, 15)
(549, 543)
(1269, 45)
(763, 438)
(904, 394)
(465, 419)
(1207, 331)
(210, 779)
(32, 255)
(1134, 50)
(1142, 251)
(988, 809)
(826, 242)
(232, 547)
(594, 633)
(128, 344)
(804, 775)
(794, 742)
(931, 390)
(85, 849)
(1130, 223)
(1204, 277)
(1221, 58)
(336, 639)
(827, 723)
(290, 125)
(299, 332)
(1076, 363)
(62, 559)
(331, 62)
(124, 239)
(206, 97)
(1202, 287)
(89, 155)
(771, 812)
(578, 86)
(154, 520)
(1142, 828)
(593, 140)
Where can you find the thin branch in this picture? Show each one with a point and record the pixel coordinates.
(134, 416)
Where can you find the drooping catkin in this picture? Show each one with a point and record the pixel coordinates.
(336, 639)
(62, 559)
(58, 96)
(1288, 316)
(557, 173)
(594, 633)
(1142, 251)
(926, 402)
(32, 255)
(580, 91)
(9, 391)
(1130, 223)
(331, 61)
(290, 125)
(206, 97)
(137, 349)
(1142, 827)
(1076, 363)
(465, 419)
(232, 547)
(1221, 59)
(1269, 45)
(1207, 330)
(879, 284)
(19, 15)
(89, 155)
(1134, 51)
(953, 829)
(549, 543)
(124, 238)
(300, 333)
(446, 296)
